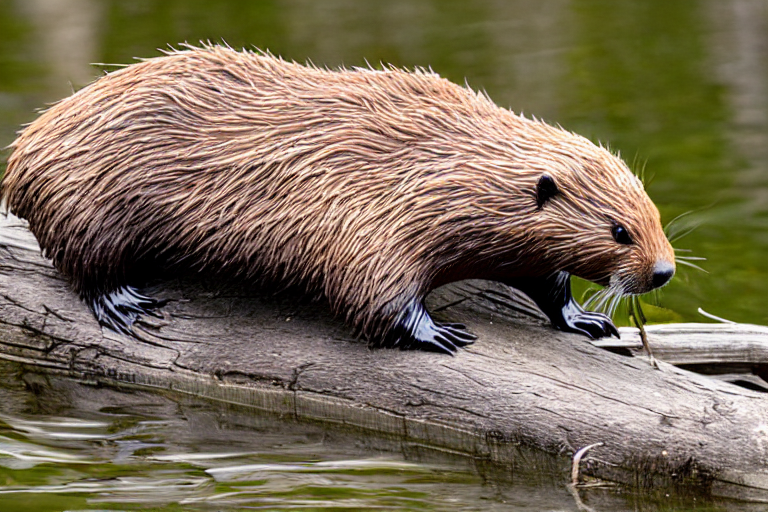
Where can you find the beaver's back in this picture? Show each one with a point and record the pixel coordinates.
(240, 162)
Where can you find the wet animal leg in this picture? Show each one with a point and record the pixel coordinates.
(553, 296)
(416, 330)
(119, 309)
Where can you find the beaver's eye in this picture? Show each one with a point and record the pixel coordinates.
(621, 235)
(545, 189)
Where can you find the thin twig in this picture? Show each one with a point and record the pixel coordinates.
(573, 487)
(577, 459)
(638, 317)
(713, 317)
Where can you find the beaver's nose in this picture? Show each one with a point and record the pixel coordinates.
(662, 272)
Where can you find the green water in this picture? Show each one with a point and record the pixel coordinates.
(679, 88)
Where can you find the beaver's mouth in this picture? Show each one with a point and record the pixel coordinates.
(630, 285)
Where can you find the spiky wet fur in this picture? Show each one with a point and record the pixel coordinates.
(370, 187)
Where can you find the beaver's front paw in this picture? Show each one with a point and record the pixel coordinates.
(591, 324)
(553, 296)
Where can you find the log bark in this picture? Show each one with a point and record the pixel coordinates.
(522, 384)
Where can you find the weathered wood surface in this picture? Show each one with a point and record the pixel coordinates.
(521, 383)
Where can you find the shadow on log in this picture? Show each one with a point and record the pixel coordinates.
(522, 384)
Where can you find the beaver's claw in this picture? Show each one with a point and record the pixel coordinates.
(590, 324)
(417, 330)
(445, 338)
(120, 309)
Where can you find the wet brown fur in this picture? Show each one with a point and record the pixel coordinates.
(371, 187)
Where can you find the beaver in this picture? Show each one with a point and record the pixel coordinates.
(368, 187)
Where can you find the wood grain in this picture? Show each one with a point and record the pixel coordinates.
(522, 384)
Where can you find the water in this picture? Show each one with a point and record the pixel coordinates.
(679, 88)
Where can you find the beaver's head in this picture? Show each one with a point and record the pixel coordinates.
(595, 219)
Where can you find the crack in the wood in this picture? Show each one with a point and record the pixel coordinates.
(232, 376)
(481, 384)
(102, 352)
(19, 305)
(144, 336)
(601, 395)
(74, 354)
(449, 305)
(8, 343)
(293, 383)
(436, 392)
(173, 336)
(49, 311)
(492, 357)
(505, 302)
(468, 411)
(45, 264)
(428, 403)
(26, 326)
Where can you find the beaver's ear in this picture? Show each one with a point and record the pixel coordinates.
(545, 190)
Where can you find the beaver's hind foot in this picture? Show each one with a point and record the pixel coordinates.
(120, 309)
(417, 330)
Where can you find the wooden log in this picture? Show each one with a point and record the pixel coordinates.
(522, 384)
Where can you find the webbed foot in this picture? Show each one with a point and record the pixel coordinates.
(553, 296)
(120, 309)
(417, 330)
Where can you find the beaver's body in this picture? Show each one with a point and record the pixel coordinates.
(372, 187)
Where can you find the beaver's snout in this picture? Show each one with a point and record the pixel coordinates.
(662, 273)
